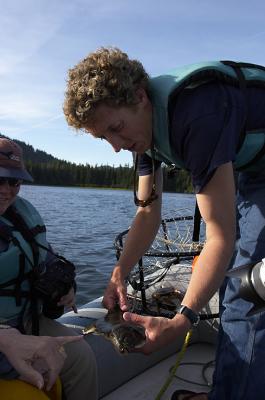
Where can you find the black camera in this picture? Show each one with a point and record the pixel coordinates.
(52, 281)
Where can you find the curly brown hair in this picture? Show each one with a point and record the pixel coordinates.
(105, 76)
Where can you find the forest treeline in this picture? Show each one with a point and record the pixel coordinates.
(48, 170)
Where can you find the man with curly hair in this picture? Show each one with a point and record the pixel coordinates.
(209, 119)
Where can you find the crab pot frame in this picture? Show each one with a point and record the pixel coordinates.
(178, 241)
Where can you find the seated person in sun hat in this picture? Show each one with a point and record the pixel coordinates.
(33, 293)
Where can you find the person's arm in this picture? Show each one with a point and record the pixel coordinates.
(141, 235)
(26, 352)
(217, 206)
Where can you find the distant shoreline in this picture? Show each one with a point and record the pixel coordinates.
(95, 187)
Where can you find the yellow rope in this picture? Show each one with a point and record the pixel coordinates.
(174, 369)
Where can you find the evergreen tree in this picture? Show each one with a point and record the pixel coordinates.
(48, 170)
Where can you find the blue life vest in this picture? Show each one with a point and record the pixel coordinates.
(18, 261)
(164, 88)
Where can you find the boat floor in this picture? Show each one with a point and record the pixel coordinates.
(148, 384)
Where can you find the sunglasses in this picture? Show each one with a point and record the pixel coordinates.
(13, 182)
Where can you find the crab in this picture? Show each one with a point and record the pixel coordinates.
(167, 298)
(125, 336)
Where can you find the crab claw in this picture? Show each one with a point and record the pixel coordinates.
(88, 330)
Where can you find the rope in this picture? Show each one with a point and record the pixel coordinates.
(174, 369)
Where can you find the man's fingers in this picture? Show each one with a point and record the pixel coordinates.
(62, 352)
(30, 375)
(51, 377)
(135, 318)
(61, 340)
(66, 301)
(74, 308)
(13, 331)
(109, 302)
(123, 301)
(55, 364)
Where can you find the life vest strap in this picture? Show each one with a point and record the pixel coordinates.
(13, 281)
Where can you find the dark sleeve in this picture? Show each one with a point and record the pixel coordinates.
(206, 128)
(145, 165)
(208, 146)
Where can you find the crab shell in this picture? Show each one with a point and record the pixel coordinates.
(168, 297)
(125, 336)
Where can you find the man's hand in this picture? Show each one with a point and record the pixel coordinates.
(68, 300)
(159, 331)
(37, 359)
(115, 292)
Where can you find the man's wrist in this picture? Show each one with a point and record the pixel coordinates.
(117, 273)
(191, 315)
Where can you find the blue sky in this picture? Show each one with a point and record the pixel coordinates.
(41, 39)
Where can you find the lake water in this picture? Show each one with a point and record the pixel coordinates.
(83, 223)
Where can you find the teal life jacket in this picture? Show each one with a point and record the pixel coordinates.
(163, 89)
(18, 261)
